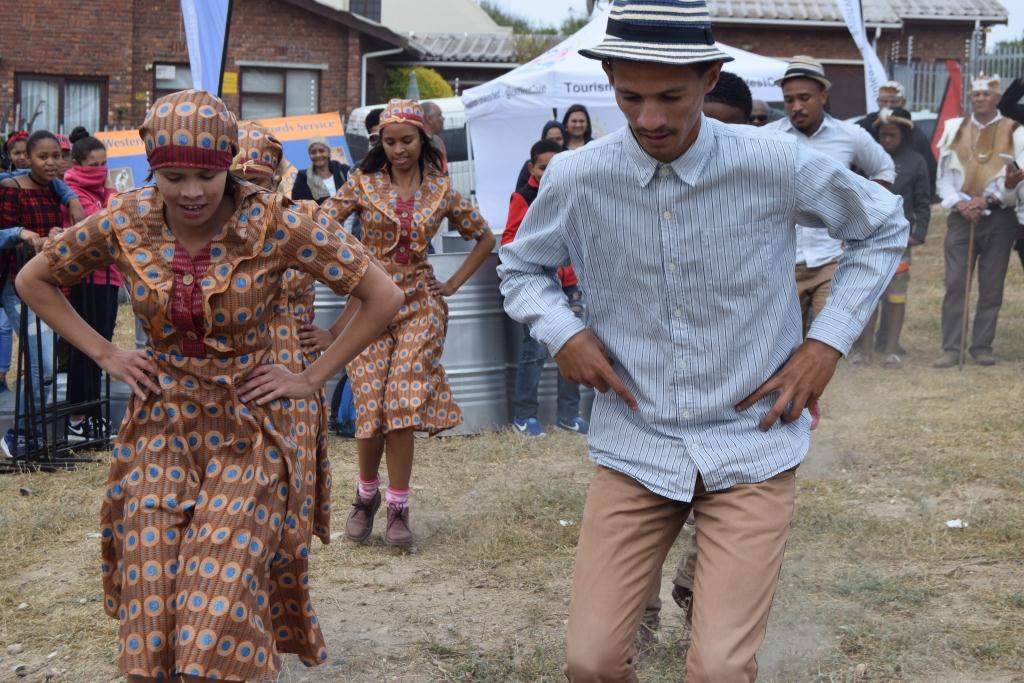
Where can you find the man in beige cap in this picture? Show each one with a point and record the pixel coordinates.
(972, 184)
(805, 94)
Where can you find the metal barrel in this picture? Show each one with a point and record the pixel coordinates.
(474, 351)
(327, 306)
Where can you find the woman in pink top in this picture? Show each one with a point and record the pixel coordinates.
(95, 298)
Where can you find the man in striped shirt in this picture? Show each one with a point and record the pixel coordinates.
(682, 234)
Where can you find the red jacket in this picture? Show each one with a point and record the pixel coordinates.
(518, 206)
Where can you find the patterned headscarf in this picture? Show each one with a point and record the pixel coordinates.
(17, 136)
(403, 111)
(259, 152)
(192, 129)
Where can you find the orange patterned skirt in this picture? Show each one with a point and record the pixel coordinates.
(206, 523)
(398, 381)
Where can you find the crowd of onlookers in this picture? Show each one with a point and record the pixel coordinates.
(884, 146)
(51, 180)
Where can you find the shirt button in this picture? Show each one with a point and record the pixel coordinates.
(678, 313)
(670, 267)
(680, 365)
(665, 170)
(187, 279)
(667, 215)
(686, 415)
(192, 335)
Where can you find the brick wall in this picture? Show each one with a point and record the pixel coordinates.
(42, 37)
(122, 39)
(933, 41)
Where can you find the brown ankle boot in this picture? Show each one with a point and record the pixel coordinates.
(359, 524)
(398, 533)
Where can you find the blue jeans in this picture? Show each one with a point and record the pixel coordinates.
(531, 364)
(12, 309)
(6, 343)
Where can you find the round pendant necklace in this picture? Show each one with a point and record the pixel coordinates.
(981, 157)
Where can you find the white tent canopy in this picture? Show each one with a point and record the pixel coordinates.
(506, 115)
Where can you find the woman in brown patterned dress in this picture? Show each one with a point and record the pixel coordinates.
(208, 512)
(297, 342)
(398, 383)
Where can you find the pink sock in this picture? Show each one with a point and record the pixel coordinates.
(368, 489)
(397, 497)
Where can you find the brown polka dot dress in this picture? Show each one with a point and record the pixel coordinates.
(210, 503)
(398, 381)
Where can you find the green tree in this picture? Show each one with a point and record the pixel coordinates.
(431, 84)
(520, 25)
(573, 23)
(1009, 46)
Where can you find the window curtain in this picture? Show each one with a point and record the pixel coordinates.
(301, 95)
(39, 100)
(82, 106)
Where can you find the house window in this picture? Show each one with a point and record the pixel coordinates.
(268, 92)
(367, 8)
(168, 78)
(59, 103)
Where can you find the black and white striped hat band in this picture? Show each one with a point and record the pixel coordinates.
(673, 32)
(646, 33)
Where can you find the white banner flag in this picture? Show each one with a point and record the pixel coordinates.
(206, 33)
(874, 72)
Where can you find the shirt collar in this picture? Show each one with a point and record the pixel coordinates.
(688, 167)
(826, 122)
(993, 122)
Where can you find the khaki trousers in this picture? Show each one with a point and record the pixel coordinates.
(813, 286)
(625, 536)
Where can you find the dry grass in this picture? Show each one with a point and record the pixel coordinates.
(875, 587)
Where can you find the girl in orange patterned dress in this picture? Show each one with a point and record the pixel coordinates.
(208, 512)
(398, 383)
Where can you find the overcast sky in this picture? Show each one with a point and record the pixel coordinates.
(1015, 27)
(550, 12)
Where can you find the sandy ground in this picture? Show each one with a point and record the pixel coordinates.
(875, 587)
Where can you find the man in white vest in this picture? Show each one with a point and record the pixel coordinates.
(972, 184)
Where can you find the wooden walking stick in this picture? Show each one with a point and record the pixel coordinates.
(967, 293)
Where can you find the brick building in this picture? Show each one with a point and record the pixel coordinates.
(101, 65)
(923, 31)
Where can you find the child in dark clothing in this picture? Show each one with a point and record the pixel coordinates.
(892, 129)
(534, 354)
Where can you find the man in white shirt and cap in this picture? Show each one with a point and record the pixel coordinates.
(805, 95)
(974, 184)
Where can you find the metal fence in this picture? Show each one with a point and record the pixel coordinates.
(925, 83)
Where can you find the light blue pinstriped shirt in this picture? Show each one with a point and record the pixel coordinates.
(687, 271)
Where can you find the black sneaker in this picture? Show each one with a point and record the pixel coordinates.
(77, 432)
(100, 427)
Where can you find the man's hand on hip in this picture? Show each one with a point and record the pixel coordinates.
(583, 360)
(799, 383)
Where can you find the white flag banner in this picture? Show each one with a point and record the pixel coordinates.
(206, 33)
(874, 72)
